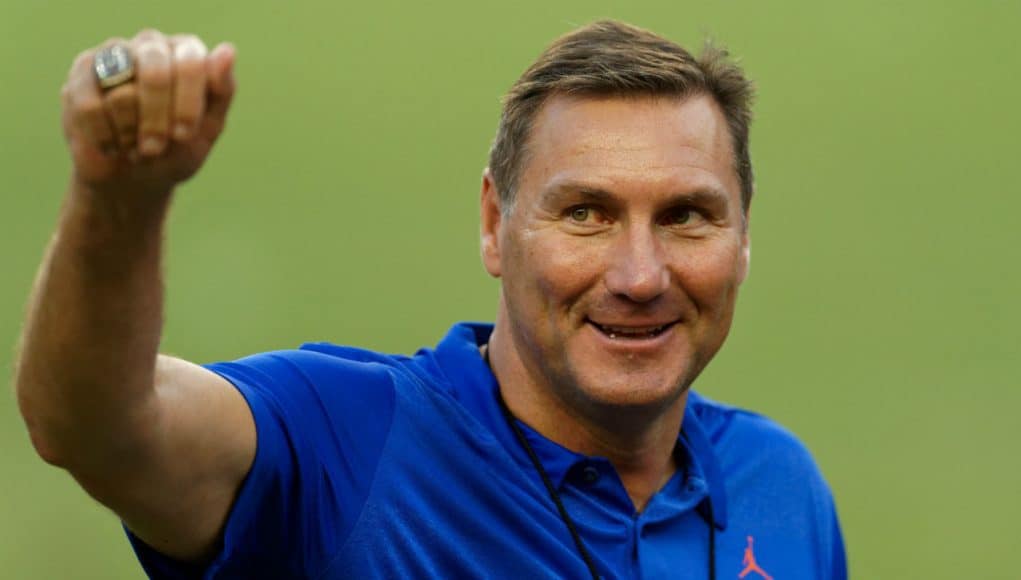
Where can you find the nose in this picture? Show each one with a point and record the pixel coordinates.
(637, 270)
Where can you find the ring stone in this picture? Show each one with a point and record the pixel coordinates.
(113, 65)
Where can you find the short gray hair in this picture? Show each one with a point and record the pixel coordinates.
(610, 58)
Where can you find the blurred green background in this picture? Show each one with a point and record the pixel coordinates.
(881, 321)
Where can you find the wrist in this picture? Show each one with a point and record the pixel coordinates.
(108, 213)
(121, 200)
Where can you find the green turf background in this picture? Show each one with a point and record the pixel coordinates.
(880, 322)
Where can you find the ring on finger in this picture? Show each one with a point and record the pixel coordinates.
(113, 65)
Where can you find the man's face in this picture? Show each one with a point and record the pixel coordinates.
(622, 254)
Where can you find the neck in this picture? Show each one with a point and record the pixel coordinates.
(638, 442)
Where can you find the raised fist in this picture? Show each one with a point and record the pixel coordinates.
(155, 130)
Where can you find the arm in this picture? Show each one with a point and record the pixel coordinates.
(162, 442)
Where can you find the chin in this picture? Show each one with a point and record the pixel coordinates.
(634, 391)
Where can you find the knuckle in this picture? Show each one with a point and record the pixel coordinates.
(152, 51)
(189, 48)
(148, 33)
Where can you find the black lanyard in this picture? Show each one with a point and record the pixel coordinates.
(560, 504)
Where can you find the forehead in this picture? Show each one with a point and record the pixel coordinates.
(641, 145)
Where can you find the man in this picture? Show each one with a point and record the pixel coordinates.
(561, 442)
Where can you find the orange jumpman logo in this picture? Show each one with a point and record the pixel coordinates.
(750, 565)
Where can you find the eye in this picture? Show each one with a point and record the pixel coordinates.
(586, 215)
(683, 216)
(581, 213)
(586, 218)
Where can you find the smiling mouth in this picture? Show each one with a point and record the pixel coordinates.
(631, 332)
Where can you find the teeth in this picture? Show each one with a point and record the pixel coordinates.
(615, 331)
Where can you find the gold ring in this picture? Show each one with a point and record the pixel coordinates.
(113, 65)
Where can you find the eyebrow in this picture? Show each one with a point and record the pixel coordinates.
(585, 193)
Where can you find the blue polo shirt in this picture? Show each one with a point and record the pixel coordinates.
(381, 466)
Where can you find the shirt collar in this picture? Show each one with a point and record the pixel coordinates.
(700, 449)
(475, 387)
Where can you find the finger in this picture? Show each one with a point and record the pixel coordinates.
(121, 104)
(220, 89)
(155, 86)
(189, 85)
(84, 104)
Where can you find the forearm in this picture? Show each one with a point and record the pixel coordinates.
(86, 365)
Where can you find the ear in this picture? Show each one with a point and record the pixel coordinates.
(491, 219)
(745, 261)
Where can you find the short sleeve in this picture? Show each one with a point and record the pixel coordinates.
(838, 553)
(321, 424)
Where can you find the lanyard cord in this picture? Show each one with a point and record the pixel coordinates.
(552, 491)
(712, 539)
(549, 487)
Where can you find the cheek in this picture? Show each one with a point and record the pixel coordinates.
(710, 275)
(557, 266)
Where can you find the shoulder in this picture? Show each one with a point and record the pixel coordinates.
(333, 379)
(767, 469)
(317, 384)
(765, 466)
(775, 490)
(749, 438)
(313, 364)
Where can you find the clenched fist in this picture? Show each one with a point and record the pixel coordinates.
(155, 131)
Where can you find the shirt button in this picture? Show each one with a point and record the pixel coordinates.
(590, 474)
